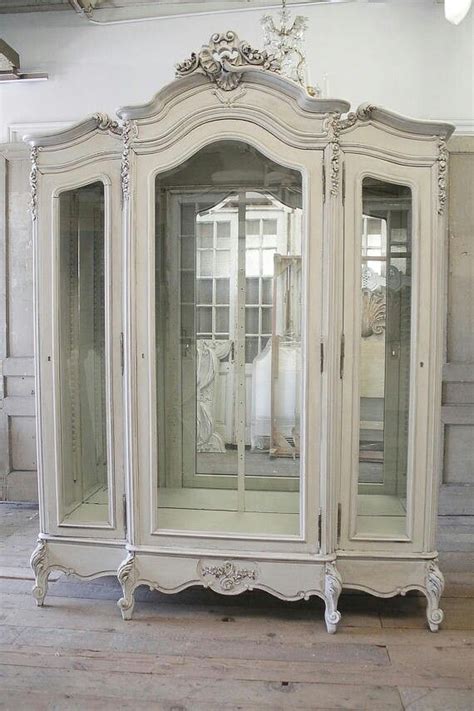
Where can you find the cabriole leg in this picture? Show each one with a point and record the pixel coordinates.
(332, 590)
(434, 583)
(39, 564)
(127, 576)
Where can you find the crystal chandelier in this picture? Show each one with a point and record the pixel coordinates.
(284, 40)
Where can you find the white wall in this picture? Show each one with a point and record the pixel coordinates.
(400, 54)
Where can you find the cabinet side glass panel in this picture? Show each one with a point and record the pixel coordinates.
(228, 343)
(384, 365)
(85, 493)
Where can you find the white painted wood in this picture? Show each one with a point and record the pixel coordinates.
(285, 542)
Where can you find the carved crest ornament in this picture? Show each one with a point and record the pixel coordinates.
(225, 59)
(228, 576)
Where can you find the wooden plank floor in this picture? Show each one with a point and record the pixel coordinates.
(199, 651)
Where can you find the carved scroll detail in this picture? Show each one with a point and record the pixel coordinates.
(105, 123)
(39, 565)
(127, 575)
(227, 577)
(442, 175)
(363, 113)
(374, 311)
(334, 135)
(332, 590)
(434, 583)
(129, 130)
(209, 353)
(225, 59)
(34, 183)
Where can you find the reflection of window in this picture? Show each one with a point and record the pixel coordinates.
(261, 245)
(212, 278)
(374, 244)
(217, 297)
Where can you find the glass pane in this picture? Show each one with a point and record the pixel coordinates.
(269, 227)
(251, 320)
(205, 263)
(223, 235)
(252, 262)
(85, 494)
(267, 261)
(222, 263)
(222, 291)
(251, 286)
(205, 234)
(204, 291)
(266, 320)
(228, 412)
(251, 348)
(204, 319)
(267, 291)
(384, 370)
(222, 319)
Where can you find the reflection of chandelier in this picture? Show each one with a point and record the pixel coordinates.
(284, 40)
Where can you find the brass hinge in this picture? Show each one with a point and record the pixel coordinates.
(324, 183)
(343, 182)
(339, 518)
(124, 505)
(321, 356)
(122, 356)
(342, 356)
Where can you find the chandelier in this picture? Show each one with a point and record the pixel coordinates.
(284, 40)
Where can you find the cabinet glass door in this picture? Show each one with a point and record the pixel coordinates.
(384, 357)
(228, 343)
(82, 357)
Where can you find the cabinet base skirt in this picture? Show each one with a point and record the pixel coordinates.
(287, 580)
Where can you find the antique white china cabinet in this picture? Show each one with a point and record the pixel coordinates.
(239, 310)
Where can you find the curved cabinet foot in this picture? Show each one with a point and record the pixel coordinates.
(127, 575)
(332, 590)
(434, 584)
(39, 565)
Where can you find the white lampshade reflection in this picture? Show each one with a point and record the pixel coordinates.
(456, 10)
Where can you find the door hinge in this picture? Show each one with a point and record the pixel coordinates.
(342, 356)
(339, 519)
(321, 355)
(324, 183)
(343, 183)
(124, 505)
(122, 356)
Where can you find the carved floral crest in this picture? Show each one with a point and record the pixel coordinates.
(227, 576)
(225, 59)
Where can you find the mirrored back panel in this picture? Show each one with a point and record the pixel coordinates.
(84, 413)
(228, 349)
(384, 365)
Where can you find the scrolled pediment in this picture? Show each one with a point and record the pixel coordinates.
(225, 60)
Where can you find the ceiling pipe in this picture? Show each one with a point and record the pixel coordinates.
(87, 9)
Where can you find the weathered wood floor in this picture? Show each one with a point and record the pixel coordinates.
(198, 651)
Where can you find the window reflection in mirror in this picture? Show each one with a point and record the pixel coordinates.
(85, 496)
(228, 343)
(384, 367)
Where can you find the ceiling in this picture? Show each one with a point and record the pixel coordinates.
(155, 7)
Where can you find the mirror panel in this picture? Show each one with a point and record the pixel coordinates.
(228, 351)
(384, 366)
(83, 417)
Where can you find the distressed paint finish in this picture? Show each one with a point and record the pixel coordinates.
(280, 571)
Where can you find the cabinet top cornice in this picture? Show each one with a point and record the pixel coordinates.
(227, 64)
